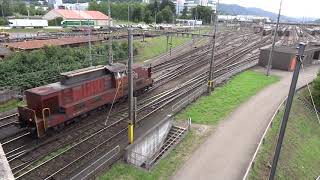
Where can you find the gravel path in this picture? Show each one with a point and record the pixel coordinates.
(227, 152)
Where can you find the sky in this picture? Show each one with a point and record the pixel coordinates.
(292, 8)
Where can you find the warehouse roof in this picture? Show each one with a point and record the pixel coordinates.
(76, 14)
(37, 44)
(293, 49)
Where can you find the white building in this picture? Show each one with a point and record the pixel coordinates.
(243, 18)
(69, 6)
(55, 2)
(99, 18)
(181, 4)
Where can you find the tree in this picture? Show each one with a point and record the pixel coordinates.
(316, 91)
(167, 3)
(184, 14)
(5, 8)
(167, 14)
(22, 8)
(147, 17)
(159, 17)
(202, 12)
(137, 14)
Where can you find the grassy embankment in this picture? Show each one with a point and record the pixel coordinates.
(210, 110)
(10, 105)
(156, 46)
(223, 100)
(300, 154)
(153, 47)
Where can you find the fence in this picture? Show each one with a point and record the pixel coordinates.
(262, 140)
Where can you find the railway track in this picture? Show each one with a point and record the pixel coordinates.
(147, 107)
(102, 134)
(8, 120)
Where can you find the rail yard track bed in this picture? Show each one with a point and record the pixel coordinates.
(189, 72)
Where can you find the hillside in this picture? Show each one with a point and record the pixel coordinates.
(234, 9)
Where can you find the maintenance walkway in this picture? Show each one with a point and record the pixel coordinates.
(227, 153)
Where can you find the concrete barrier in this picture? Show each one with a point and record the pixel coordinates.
(140, 153)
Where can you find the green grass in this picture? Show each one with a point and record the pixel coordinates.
(300, 154)
(238, 89)
(153, 47)
(14, 103)
(166, 166)
(212, 109)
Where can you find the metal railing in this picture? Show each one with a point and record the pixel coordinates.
(142, 152)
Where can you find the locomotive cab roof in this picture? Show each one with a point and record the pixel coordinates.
(76, 77)
(116, 67)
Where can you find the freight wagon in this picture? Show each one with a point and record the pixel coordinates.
(77, 93)
(22, 23)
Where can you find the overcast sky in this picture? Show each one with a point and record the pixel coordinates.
(293, 8)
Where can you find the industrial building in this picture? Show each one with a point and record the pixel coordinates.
(243, 18)
(98, 18)
(284, 57)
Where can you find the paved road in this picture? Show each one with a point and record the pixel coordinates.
(227, 152)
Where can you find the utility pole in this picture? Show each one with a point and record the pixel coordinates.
(292, 89)
(167, 49)
(110, 35)
(2, 9)
(273, 41)
(128, 14)
(90, 54)
(170, 44)
(212, 63)
(130, 93)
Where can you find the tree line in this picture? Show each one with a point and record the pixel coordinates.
(17, 8)
(164, 12)
(40, 67)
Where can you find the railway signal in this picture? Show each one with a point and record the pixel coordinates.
(292, 89)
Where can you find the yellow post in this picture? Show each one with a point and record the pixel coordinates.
(130, 133)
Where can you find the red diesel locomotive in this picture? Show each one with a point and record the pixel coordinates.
(77, 93)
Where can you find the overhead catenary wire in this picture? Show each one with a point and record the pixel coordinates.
(113, 101)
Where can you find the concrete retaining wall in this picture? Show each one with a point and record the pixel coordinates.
(144, 148)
